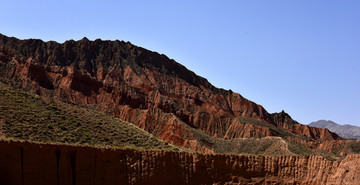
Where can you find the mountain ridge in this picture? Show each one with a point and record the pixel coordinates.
(147, 89)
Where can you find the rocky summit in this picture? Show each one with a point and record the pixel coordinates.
(158, 95)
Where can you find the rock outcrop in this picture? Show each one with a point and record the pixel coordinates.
(145, 88)
(29, 163)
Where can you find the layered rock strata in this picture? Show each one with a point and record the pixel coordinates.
(24, 163)
(145, 88)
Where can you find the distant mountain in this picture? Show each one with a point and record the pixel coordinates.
(345, 131)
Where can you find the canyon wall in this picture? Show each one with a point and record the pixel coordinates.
(24, 163)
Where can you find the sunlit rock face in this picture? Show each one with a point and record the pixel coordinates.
(145, 88)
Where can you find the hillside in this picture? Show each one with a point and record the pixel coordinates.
(29, 117)
(154, 93)
(24, 116)
(345, 131)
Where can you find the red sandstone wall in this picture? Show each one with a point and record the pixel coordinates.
(33, 164)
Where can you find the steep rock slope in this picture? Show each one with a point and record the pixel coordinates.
(25, 116)
(345, 131)
(29, 163)
(145, 88)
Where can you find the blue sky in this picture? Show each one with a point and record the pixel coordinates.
(300, 56)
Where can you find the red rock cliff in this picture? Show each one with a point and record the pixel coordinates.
(29, 163)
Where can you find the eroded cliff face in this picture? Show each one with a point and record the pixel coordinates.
(29, 163)
(142, 87)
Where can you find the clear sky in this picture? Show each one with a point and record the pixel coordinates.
(301, 56)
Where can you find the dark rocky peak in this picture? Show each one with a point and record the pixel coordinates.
(85, 39)
(283, 119)
(281, 115)
(91, 55)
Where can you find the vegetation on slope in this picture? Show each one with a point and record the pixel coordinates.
(270, 146)
(24, 116)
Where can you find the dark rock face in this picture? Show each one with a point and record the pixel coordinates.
(29, 163)
(345, 131)
(143, 87)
